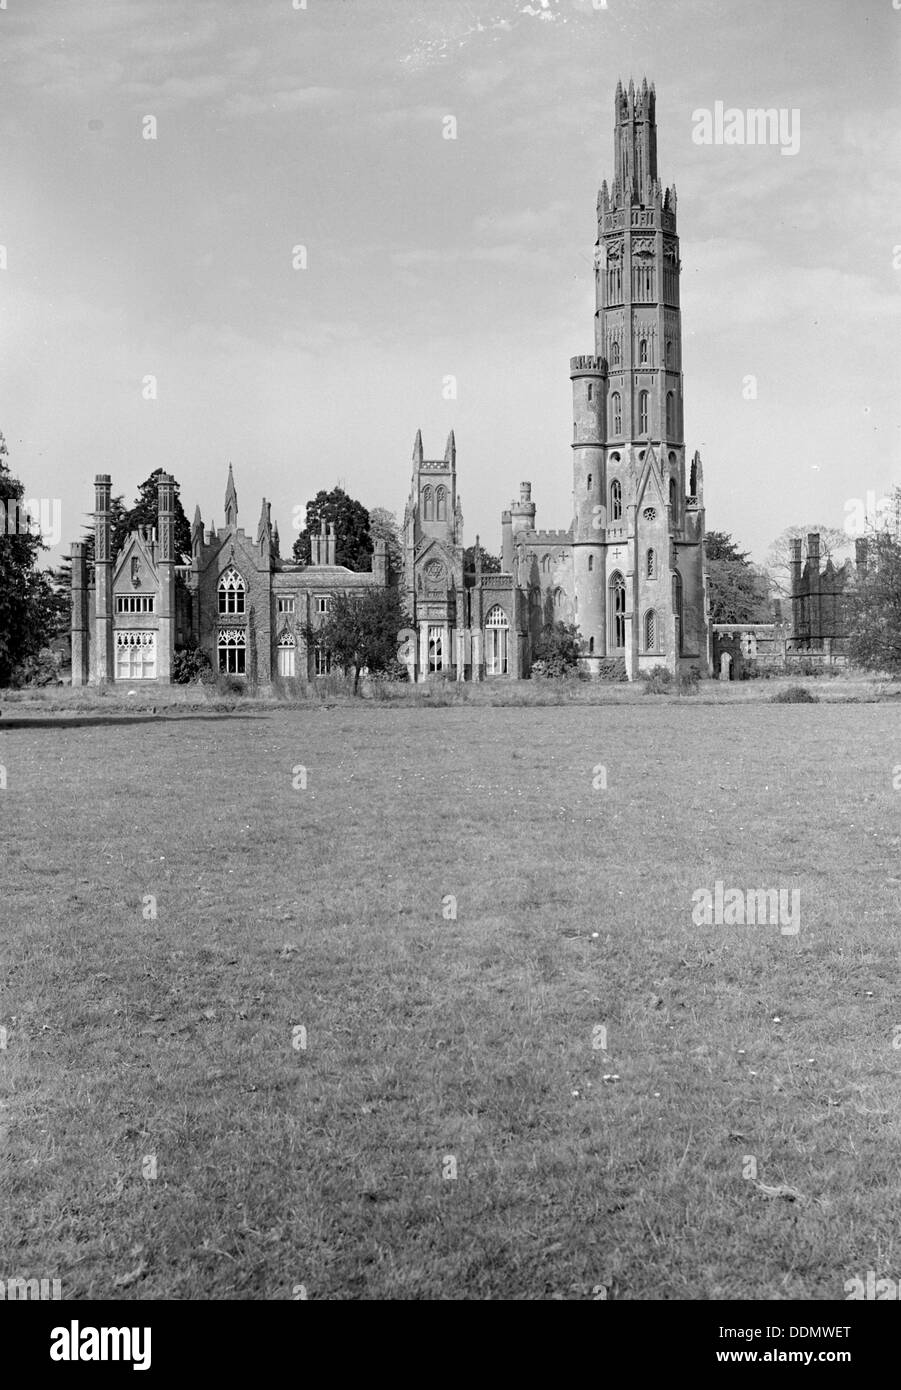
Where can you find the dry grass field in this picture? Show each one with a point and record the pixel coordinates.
(254, 1050)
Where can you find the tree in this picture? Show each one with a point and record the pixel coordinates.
(351, 522)
(145, 512)
(835, 545)
(491, 564)
(361, 631)
(737, 591)
(383, 526)
(874, 608)
(718, 545)
(557, 650)
(26, 596)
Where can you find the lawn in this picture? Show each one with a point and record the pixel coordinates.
(255, 1050)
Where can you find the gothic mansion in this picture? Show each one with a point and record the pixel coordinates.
(628, 571)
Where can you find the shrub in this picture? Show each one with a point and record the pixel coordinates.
(688, 681)
(191, 664)
(42, 668)
(795, 695)
(658, 681)
(229, 685)
(556, 651)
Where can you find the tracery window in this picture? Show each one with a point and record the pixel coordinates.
(135, 656)
(232, 592)
(231, 645)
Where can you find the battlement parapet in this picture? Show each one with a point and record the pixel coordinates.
(587, 365)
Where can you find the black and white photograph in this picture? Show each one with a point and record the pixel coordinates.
(450, 663)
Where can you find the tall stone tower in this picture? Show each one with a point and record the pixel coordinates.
(166, 569)
(103, 580)
(638, 568)
(638, 322)
(433, 561)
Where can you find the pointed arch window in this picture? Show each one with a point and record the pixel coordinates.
(232, 592)
(617, 611)
(670, 414)
(642, 412)
(643, 352)
(590, 564)
(650, 631)
(287, 648)
(669, 352)
(616, 500)
(616, 413)
(614, 353)
(673, 497)
(428, 504)
(496, 634)
(651, 564)
(441, 504)
(677, 609)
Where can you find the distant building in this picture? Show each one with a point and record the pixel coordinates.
(819, 596)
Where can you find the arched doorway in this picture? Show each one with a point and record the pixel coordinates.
(496, 644)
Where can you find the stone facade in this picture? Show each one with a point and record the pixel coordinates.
(234, 598)
(628, 572)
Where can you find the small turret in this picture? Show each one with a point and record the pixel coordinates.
(506, 543)
(196, 531)
(522, 513)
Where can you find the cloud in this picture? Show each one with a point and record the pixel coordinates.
(523, 222)
(287, 99)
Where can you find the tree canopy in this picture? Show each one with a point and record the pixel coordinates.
(874, 608)
(27, 604)
(383, 526)
(145, 512)
(737, 591)
(351, 521)
(362, 631)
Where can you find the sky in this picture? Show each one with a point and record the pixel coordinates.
(444, 283)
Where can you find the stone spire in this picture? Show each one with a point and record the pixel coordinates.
(231, 500)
